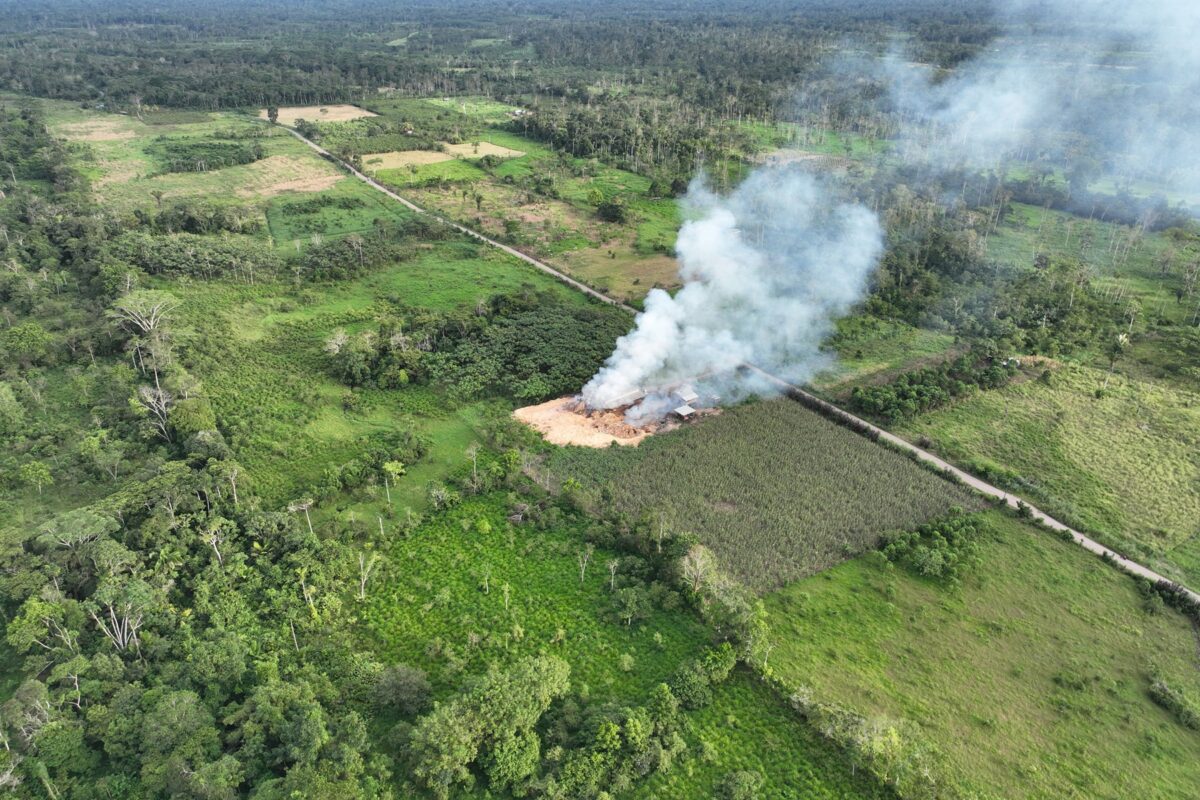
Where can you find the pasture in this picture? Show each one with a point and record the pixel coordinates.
(288, 115)
(774, 490)
(1124, 466)
(1031, 678)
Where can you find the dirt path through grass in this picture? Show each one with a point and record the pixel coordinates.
(810, 399)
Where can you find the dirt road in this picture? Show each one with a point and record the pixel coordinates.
(924, 455)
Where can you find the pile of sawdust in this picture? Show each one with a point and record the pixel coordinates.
(564, 421)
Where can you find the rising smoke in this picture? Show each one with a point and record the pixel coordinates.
(765, 272)
(1107, 87)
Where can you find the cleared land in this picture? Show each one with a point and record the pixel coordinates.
(559, 424)
(278, 174)
(776, 491)
(1032, 678)
(335, 113)
(398, 159)
(481, 149)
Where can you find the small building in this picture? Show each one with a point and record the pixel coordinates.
(684, 411)
(687, 395)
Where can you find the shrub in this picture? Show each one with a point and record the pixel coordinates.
(1175, 701)
(740, 785)
(404, 689)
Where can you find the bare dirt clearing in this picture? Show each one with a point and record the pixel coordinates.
(338, 113)
(560, 422)
(398, 159)
(473, 150)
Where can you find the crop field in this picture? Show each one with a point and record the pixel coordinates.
(1124, 466)
(1032, 678)
(750, 728)
(258, 351)
(776, 491)
(332, 113)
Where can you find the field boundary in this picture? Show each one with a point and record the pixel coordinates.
(795, 392)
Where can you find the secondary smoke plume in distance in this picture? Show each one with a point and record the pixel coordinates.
(1108, 87)
(765, 272)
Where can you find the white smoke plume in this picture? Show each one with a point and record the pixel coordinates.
(1110, 86)
(765, 272)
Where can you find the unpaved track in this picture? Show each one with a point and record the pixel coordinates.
(924, 455)
(567, 279)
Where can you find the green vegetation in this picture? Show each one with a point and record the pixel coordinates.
(776, 491)
(749, 728)
(268, 529)
(1122, 465)
(1037, 664)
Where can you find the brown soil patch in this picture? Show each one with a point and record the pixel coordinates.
(469, 150)
(103, 129)
(278, 174)
(398, 159)
(562, 422)
(337, 113)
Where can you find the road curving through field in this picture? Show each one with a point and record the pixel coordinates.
(967, 479)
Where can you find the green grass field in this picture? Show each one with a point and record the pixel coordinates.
(430, 607)
(1032, 678)
(258, 351)
(776, 491)
(1124, 467)
(294, 218)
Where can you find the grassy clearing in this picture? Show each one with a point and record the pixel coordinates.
(776, 491)
(1121, 257)
(349, 206)
(257, 350)
(118, 155)
(1125, 466)
(748, 727)
(1032, 678)
(430, 608)
(870, 349)
(484, 109)
(481, 148)
(454, 170)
